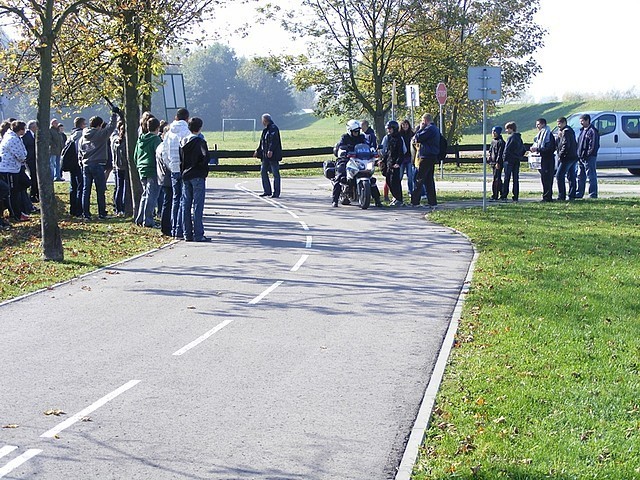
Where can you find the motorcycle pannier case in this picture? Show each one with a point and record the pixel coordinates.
(329, 169)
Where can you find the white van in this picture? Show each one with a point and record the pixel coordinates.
(619, 138)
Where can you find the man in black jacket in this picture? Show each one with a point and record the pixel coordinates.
(270, 153)
(511, 158)
(567, 149)
(588, 145)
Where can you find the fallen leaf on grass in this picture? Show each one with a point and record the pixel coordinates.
(55, 412)
(500, 420)
(11, 425)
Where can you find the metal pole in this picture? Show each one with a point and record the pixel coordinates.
(484, 140)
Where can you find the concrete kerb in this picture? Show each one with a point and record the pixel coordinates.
(93, 272)
(405, 469)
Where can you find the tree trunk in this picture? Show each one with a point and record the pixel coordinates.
(52, 248)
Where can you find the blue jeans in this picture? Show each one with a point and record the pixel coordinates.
(408, 169)
(120, 195)
(193, 196)
(587, 169)
(511, 169)
(150, 189)
(566, 169)
(54, 163)
(176, 209)
(94, 173)
(274, 167)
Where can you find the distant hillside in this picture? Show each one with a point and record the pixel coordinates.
(525, 115)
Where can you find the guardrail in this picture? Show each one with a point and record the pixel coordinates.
(453, 156)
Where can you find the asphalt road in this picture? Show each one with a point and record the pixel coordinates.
(296, 345)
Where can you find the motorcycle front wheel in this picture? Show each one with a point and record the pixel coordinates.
(364, 194)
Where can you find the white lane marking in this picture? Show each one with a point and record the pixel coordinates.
(266, 292)
(304, 225)
(309, 240)
(16, 462)
(303, 259)
(202, 338)
(94, 406)
(292, 214)
(6, 450)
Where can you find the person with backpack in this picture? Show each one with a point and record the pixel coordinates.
(71, 162)
(511, 158)
(428, 136)
(545, 145)
(588, 146)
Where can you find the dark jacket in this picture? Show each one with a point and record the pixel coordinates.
(567, 146)
(429, 139)
(30, 144)
(145, 154)
(56, 142)
(270, 142)
(407, 136)
(92, 148)
(496, 151)
(395, 149)
(119, 151)
(513, 149)
(348, 142)
(370, 137)
(194, 157)
(588, 142)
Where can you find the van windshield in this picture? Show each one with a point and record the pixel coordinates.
(574, 122)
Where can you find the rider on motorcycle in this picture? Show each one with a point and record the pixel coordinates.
(347, 142)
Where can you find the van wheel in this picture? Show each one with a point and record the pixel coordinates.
(634, 171)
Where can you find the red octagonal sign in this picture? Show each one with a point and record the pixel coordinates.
(441, 93)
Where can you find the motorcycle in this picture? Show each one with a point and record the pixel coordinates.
(360, 165)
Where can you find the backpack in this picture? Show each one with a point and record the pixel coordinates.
(69, 157)
(444, 145)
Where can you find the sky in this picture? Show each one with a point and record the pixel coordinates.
(590, 48)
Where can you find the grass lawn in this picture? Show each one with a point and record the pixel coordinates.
(87, 246)
(544, 379)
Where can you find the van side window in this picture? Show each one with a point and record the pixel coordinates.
(631, 125)
(605, 124)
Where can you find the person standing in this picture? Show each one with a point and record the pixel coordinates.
(496, 151)
(369, 134)
(92, 148)
(406, 167)
(545, 145)
(394, 149)
(13, 155)
(118, 144)
(29, 140)
(270, 153)
(194, 166)
(55, 148)
(588, 146)
(568, 155)
(145, 160)
(76, 181)
(511, 158)
(164, 180)
(178, 130)
(428, 136)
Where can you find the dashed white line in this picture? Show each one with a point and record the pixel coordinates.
(304, 225)
(303, 259)
(16, 462)
(202, 338)
(266, 292)
(292, 214)
(91, 408)
(6, 450)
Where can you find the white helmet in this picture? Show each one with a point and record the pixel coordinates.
(353, 125)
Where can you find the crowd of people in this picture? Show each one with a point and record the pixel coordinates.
(576, 160)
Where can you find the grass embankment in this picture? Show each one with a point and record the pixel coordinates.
(87, 246)
(544, 381)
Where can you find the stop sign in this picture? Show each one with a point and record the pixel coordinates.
(441, 93)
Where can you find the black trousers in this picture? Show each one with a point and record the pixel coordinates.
(34, 193)
(425, 176)
(394, 181)
(547, 173)
(496, 186)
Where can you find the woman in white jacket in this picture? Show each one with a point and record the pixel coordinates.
(13, 156)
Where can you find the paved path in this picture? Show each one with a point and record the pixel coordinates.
(298, 344)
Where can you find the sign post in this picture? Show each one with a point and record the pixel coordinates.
(441, 96)
(173, 91)
(484, 84)
(413, 99)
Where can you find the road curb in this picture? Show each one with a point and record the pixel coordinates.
(405, 469)
(92, 272)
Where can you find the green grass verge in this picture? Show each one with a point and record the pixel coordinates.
(544, 378)
(87, 246)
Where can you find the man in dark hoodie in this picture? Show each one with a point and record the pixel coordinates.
(194, 167)
(92, 149)
(495, 160)
(270, 153)
(145, 159)
(511, 158)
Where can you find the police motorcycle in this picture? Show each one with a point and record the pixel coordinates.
(360, 165)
